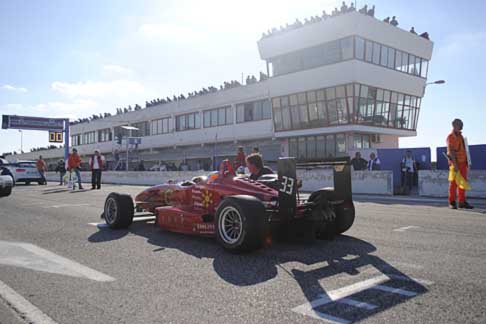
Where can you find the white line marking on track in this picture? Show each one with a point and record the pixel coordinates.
(398, 291)
(403, 229)
(23, 306)
(341, 295)
(32, 257)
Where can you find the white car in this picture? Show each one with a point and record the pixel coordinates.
(25, 171)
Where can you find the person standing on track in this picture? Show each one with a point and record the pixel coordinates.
(42, 168)
(74, 163)
(457, 154)
(96, 164)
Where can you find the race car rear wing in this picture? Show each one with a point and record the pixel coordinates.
(287, 176)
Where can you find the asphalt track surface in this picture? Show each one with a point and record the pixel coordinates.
(402, 262)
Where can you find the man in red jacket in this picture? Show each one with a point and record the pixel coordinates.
(96, 164)
(74, 163)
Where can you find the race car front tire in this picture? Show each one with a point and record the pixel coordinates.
(241, 223)
(118, 211)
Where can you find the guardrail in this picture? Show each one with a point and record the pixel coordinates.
(434, 183)
(363, 182)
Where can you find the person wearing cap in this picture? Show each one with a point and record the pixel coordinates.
(74, 163)
(456, 152)
(96, 164)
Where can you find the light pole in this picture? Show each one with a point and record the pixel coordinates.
(21, 141)
(434, 82)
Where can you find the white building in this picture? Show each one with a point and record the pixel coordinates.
(345, 83)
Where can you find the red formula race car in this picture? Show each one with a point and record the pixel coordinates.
(241, 213)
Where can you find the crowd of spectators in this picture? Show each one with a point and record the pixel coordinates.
(251, 79)
(336, 12)
(359, 163)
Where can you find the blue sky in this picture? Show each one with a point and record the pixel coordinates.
(76, 58)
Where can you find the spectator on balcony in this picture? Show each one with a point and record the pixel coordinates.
(358, 162)
(394, 21)
(371, 12)
(364, 10)
(351, 7)
(387, 20)
(344, 7)
(374, 164)
(412, 30)
(425, 35)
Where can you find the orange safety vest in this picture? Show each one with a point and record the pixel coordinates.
(456, 142)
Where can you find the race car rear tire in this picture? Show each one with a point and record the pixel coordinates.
(241, 223)
(344, 217)
(118, 211)
(344, 213)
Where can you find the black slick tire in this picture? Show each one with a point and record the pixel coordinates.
(118, 211)
(241, 224)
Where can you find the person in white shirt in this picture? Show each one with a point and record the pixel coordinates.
(409, 167)
(374, 163)
(96, 164)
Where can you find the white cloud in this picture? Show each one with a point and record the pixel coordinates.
(9, 87)
(116, 69)
(99, 89)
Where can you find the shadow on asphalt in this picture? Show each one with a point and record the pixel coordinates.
(344, 254)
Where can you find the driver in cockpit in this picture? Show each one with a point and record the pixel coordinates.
(254, 162)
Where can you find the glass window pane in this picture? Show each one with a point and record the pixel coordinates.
(360, 43)
(340, 144)
(207, 118)
(320, 147)
(417, 66)
(423, 70)
(357, 142)
(304, 117)
(399, 61)
(349, 90)
(351, 109)
(369, 51)
(311, 96)
(342, 111)
(301, 98)
(313, 115)
(320, 95)
(322, 113)
(293, 100)
(302, 148)
(293, 147)
(391, 58)
(240, 113)
(214, 117)
(229, 115)
(405, 62)
(364, 91)
(311, 147)
(277, 118)
(347, 48)
(411, 65)
(190, 123)
(286, 118)
(197, 123)
(248, 112)
(332, 111)
(330, 93)
(376, 53)
(294, 112)
(330, 146)
(366, 141)
(340, 92)
(284, 101)
(266, 110)
(276, 102)
(258, 111)
(221, 116)
(384, 56)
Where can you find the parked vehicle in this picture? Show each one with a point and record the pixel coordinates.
(6, 182)
(24, 171)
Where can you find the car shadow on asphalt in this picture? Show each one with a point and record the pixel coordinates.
(343, 255)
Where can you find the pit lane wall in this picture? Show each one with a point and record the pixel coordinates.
(364, 182)
(434, 183)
